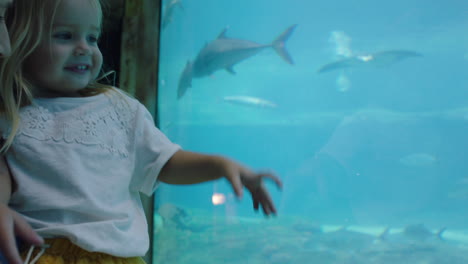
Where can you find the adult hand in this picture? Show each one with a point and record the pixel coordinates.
(13, 225)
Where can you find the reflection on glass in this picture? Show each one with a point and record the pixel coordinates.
(367, 129)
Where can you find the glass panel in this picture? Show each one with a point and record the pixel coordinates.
(366, 125)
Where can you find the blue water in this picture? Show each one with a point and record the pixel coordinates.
(377, 146)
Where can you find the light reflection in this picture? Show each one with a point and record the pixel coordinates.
(218, 198)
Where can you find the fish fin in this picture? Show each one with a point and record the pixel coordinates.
(223, 33)
(383, 236)
(230, 69)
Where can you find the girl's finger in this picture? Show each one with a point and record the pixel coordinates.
(236, 183)
(274, 178)
(255, 204)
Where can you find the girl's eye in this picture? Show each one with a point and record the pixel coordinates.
(62, 35)
(93, 39)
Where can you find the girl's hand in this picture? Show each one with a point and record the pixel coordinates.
(240, 177)
(11, 225)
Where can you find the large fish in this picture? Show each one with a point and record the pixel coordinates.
(378, 59)
(224, 53)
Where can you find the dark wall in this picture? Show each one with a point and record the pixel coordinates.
(110, 41)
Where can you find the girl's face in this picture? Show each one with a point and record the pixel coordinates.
(68, 59)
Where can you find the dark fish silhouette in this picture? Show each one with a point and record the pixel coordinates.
(378, 59)
(224, 53)
(175, 217)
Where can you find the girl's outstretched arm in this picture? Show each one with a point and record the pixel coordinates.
(186, 167)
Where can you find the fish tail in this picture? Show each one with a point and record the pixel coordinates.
(440, 233)
(279, 44)
(185, 79)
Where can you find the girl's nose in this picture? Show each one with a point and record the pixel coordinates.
(82, 49)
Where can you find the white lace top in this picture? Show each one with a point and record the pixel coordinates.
(80, 165)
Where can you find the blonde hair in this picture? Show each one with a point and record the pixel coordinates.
(29, 21)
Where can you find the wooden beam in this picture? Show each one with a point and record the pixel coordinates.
(139, 68)
(140, 50)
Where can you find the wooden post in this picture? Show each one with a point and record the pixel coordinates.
(139, 68)
(140, 51)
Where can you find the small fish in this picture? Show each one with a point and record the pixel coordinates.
(420, 232)
(378, 59)
(249, 101)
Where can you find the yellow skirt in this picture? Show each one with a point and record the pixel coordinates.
(62, 251)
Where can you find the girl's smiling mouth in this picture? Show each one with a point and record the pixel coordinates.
(79, 68)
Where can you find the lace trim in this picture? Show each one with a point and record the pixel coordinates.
(108, 128)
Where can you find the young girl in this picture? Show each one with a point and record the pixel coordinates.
(79, 153)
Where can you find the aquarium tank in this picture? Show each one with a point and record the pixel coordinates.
(360, 107)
